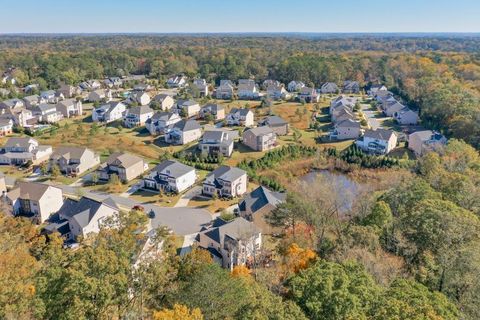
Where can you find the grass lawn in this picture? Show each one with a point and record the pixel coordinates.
(148, 197)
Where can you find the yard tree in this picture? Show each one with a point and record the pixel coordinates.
(178, 312)
(55, 171)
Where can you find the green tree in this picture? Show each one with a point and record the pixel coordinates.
(380, 216)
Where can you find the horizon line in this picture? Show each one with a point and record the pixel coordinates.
(251, 32)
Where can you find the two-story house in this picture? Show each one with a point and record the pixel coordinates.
(109, 112)
(351, 87)
(234, 243)
(137, 116)
(329, 88)
(100, 95)
(74, 160)
(161, 121)
(201, 87)
(6, 127)
(309, 95)
(216, 111)
(240, 117)
(140, 98)
(380, 141)
(189, 108)
(215, 142)
(225, 181)
(170, 176)
(277, 124)
(248, 90)
(183, 132)
(70, 108)
(422, 142)
(295, 86)
(260, 138)
(177, 81)
(35, 200)
(20, 151)
(225, 91)
(47, 113)
(165, 101)
(125, 165)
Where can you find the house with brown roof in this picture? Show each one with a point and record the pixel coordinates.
(35, 200)
(18, 151)
(277, 124)
(125, 165)
(74, 160)
(260, 138)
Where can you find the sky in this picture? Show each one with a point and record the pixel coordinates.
(219, 16)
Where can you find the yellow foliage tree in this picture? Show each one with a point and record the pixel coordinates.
(240, 271)
(178, 312)
(297, 258)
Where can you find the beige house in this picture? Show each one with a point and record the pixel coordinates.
(68, 91)
(225, 181)
(347, 129)
(166, 101)
(183, 132)
(257, 204)
(125, 165)
(18, 151)
(422, 142)
(74, 160)
(277, 124)
(35, 200)
(140, 97)
(260, 138)
(3, 184)
(100, 95)
(6, 127)
(215, 110)
(189, 107)
(70, 108)
(234, 243)
(406, 116)
(137, 116)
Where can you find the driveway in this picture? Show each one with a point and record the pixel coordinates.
(188, 241)
(371, 116)
(185, 199)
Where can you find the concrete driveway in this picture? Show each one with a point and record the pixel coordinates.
(371, 116)
(185, 199)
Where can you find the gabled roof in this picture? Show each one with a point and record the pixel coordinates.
(260, 131)
(69, 152)
(242, 112)
(20, 142)
(348, 123)
(226, 173)
(380, 134)
(29, 190)
(175, 169)
(275, 120)
(187, 125)
(123, 159)
(212, 107)
(259, 198)
(83, 210)
(140, 110)
(237, 229)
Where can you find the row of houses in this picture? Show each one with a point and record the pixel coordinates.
(342, 114)
(391, 107)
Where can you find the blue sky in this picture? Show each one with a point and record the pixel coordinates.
(98, 16)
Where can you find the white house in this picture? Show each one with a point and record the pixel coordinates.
(109, 112)
(178, 81)
(406, 116)
(225, 91)
(240, 117)
(170, 176)
(247, 90)
(183, 132)
(19, 151)
(380, 141)
(137, 116)
(140, 97)
(347, 129)
(47, 113)
(295, 86)
(215, 142)
(161, 121)
(70, 108)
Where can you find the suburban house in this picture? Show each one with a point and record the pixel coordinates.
(47, 113)
(50, 96)
(109, 112)
(170, 176)
(100, 95)
(113, 82)
(178, 81)
(310, 95)
(346, 129)
(382, 96)
(406, 116)
(343, 113)
(215, 142)
(141, 98)
(31, 101)
(270, 82)
(183, 132)
(257, 204)
(161, 121)
(351, 87)
(19, 151)
(90, 85)
(6, 127)
(125, 165)
(260, 138)
(70, 108)
(35, 200)
(247, 90)
(225, 181)
(329, 88)
(201, 86)
(390, 107)
(277, 92)
(233, 243)
(80, 218)
(74, 160)
(375, 88)
(189, 108)
(20, 116)
(422, 142)
(143, 87)
(240, 117)
(225, 91)
(342, 102)
(277, 124)
(215, 110)
(166, 101)
(295, 86)
(137, 116)
(68, 91)
(12, 104)
(380, 141)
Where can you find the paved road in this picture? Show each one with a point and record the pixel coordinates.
(371, 115)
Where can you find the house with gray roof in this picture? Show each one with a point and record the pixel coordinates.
(233, 243)
(240, 117)
(277, 124)
(216, 111)
(309, 95)
(422, 142)
(137, 116)
(225, 91)
(70, 108)
(248, 89)
(81, 218)
(295, 86)
(215, 142)
(31, 101)
(183, 132)
(19, 151)
(11, 104)
(346, 129)
(166, 101)
(379, 141)
(225, 181)
(161, 122)
(109, 112)
(35, 200)
(260, 138)
(170, 176)
(329, 88)
(201, 88)
(74, 160)
(139, 97)
(189, 108)
(125, 165)
(391, 106)
(351, 87)
(257, 204)
(6, 126)
(406, 116)
(47, 113)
